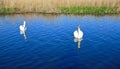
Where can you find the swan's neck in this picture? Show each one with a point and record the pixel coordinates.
(24, 23)
(78, 30)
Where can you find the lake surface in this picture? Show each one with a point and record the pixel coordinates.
(49, 42)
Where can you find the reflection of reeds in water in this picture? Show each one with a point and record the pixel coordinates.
(52, 5)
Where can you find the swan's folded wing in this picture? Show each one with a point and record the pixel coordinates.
(75, 34)
(81, 34)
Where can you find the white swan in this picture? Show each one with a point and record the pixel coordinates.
(23, 28)
(78, 33)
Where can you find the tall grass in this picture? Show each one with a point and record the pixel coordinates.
(86, 10)
(53, 5)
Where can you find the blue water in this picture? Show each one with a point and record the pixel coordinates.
(49, 42)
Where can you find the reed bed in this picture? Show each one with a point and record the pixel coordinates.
(52, 6)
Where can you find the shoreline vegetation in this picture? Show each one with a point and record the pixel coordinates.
(60, 7)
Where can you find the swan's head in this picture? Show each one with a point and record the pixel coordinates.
(24, 23)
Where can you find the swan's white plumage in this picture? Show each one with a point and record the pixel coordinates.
(23, 28)
(78, 33)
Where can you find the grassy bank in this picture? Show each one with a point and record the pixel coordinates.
(88, 10)
(7, 10)
(60, 6)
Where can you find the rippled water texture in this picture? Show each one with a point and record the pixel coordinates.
(50, 43)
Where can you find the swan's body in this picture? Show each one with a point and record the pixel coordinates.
(78, 33)
(23, 28)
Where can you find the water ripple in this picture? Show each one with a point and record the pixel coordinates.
(50, 42)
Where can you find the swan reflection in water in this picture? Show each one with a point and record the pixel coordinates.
(79, 41)
(23, 29)
(23, 33)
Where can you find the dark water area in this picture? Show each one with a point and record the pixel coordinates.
(49, 42)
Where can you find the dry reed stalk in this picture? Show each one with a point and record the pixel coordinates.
(52, 5)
